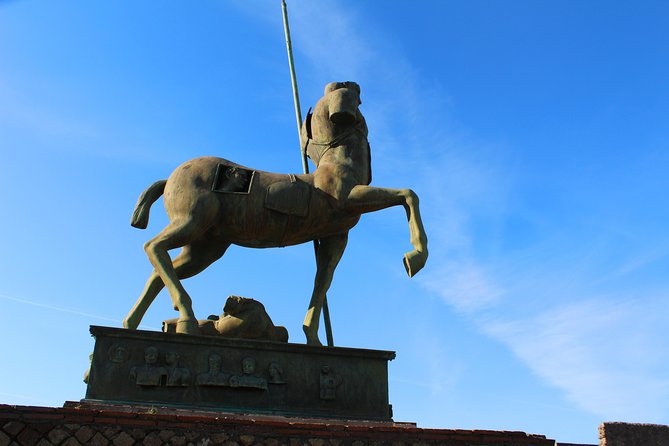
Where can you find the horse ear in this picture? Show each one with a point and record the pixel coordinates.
(307, 123)
(353, 85)
(332, 86)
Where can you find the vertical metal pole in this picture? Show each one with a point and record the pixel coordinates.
(293, 78)
(303, 154)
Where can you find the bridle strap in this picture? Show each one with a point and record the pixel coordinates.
(334, 142)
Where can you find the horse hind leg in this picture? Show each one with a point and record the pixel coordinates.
(328, 255)
(178, 233)
(192, 260)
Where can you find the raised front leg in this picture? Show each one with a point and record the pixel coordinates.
(364, 199)
(328, 255)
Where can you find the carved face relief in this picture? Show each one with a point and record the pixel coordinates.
(329, 382)
(276, 374)
(151, 355)
(214, 376)
(118, 353)
(214, 364)
(171, 358)
(248, 366)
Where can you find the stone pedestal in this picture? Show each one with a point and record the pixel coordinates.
(234, 375)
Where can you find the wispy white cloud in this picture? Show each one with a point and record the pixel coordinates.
(330, 36)
(602, 353)
(605, 355)
(28, 112)
(643, 258)
(468, 288)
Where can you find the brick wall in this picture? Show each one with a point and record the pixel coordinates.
(128, 426)
(629, 434)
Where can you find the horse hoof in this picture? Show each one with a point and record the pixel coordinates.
(127, 324)
(315, 342)
(188, 326)
(414, 261)
(312, 339)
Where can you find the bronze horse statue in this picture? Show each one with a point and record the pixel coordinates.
(212, 203)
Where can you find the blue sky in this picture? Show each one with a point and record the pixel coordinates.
(536, 134)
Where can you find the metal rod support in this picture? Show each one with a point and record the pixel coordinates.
(303, 154)
(293, 78)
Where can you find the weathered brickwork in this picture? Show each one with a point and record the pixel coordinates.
(126, 426)
(630, 434)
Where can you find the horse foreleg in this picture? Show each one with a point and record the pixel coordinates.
(192, 260)
(364, 199)
(328, 255)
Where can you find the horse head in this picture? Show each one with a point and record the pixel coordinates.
(343, 102)
(337, 121)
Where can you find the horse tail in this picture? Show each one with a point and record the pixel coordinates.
(140, 216)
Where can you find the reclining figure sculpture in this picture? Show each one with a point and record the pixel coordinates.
(242, 318)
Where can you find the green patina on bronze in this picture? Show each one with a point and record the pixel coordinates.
(242, 318)
(238, 375)
(213, 203)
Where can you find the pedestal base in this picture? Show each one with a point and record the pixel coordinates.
(235, 375)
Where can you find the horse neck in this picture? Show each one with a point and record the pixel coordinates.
(345, 147)
(350, 159)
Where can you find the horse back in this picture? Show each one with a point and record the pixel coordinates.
(249, 207)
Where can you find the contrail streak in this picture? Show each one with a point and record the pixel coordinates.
(53, 307)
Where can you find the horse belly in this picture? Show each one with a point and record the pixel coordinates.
(324, 221)
(244, 221)
(258, 217)
(271, 215)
